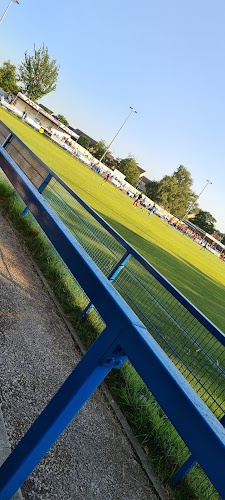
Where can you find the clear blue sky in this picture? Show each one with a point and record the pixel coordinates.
(165, 58)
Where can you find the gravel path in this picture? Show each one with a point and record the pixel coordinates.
(92, 459)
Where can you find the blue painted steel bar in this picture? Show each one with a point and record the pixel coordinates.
(206, 436)
(87, 309)
(111, 277)
(57, 415)
(180, 403)
(222, 421)
(188, 465)
(119, 266)
(40, 190)
(158, 276)
(6, 141)
(183, 470)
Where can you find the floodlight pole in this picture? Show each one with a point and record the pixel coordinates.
(207, 183)
(107, 149)
(15, 1)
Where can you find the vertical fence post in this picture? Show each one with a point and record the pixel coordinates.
(6, 141)
(111, 277)
(40, 190)
(188, 465)
(119, 266)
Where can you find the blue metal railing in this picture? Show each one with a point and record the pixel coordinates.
(186, 336)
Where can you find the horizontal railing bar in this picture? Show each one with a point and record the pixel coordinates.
(40, 190)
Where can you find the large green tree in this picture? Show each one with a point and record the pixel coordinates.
(174, 192)
(205, 221)
(8, 78)
(152, 190)
(38, 73)
(98, 149)
(167, 193)
(128, 167)
(185, 197)
(84, 141)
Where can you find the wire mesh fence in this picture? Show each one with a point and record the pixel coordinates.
(195, 351)
(98, 243)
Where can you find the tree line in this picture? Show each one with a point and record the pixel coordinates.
(37, 75)
(174, 192)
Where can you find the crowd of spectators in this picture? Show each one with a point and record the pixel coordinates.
(179, 225)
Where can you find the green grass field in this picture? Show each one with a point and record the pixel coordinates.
(199, 275)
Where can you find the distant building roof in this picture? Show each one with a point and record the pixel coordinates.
(111, 157)
(141, 171)
(145, 180)
(79, 132)
(47, 109)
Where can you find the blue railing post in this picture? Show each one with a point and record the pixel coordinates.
(6, 141)
(119, 266)
(183, 470)
(188, 465)
(87, 309)
(40, 190)
(111, 277)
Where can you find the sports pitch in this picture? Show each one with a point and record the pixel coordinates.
(198, 274)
